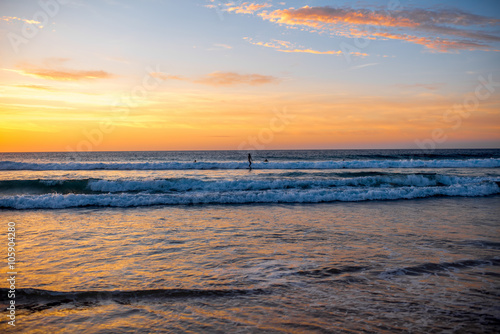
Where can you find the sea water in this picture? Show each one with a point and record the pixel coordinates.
(310, 241)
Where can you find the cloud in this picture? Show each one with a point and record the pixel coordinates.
(363, 65)
(312, 51)
(432, 87)
(22, 105)
(441, 30)
(437, 44)
(220, 46)
(39, 87)
(232, 78)
(224, 46)
(288, 47)
(222, 78)
(53, 70)
(245, 8)
(320, 17)
(164, 76)
(275, 43)
(65, 75)
(11, 19)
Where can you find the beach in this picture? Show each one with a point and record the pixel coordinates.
(310, 242)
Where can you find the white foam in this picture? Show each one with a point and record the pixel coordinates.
(57, 201)
(351, 164)
(186, 184)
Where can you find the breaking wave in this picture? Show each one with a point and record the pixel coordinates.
(351, 164)
(343, 194)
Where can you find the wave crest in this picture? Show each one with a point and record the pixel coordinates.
(351, 164)
(343, 194)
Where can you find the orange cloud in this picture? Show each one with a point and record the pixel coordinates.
(284, 46)
(224, 46)
(312, 51)
(10, 19)
(350, 22)
(276, 43)
(52, 70)
(232, 78)
(246, 8)
(39, 87)
(437, 44)
(221, 78)
(318, 17)
(65, 75)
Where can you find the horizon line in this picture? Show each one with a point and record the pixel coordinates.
(259, 150)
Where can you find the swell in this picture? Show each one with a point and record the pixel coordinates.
(44, 186)
(275, 182)
(331, 271)
(37, 299)
(351, 164)
(321, 195)
(435, 268)
(428, 268)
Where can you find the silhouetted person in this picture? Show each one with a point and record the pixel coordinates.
(249, 161)
(266, 160)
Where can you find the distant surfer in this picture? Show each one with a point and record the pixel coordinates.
(266, 160)
(249, 161)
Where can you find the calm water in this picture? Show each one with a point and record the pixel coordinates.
(309, 242)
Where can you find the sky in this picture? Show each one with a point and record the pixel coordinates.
(110, 75)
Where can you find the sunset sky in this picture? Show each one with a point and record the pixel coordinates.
(108, 75)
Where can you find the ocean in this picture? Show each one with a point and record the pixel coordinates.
(311, 241)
